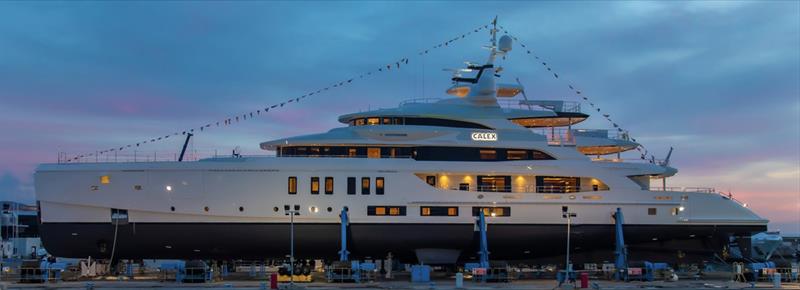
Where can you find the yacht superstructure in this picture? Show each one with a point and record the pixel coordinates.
(413, 178)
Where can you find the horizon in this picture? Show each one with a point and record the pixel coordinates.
(718, 81)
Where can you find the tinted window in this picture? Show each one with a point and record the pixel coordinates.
(351, 185)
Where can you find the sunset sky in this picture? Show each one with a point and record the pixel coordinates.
(718, 81)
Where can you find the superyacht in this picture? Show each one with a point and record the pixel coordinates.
(412, 178)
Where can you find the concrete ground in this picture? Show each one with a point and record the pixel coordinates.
(394, 285)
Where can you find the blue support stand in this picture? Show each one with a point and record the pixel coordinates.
(484, 247)
(621, 251)
(343, 253)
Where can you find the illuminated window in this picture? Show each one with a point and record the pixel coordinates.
(592, 197)
(438, 211)
(663, 197)
(328, 185)
(386, 210)
(452, 211)
(516, 155)
(492, 211)
(651, 211)
(487, 154)
(387, 121)
(379, 185)
(392, 152)
(105, 179)
(313, 151)
(351, 185)
(373, 152)
(373, 121)
(675, 210)
(293, 185)
(359, 122)
(463, 186)
(315, 185)
(365, 185)
(352, 152)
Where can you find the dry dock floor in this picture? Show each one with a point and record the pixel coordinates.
(395, 285)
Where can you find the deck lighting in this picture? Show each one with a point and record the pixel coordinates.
(681, 208)
(169, 187)
(744, 205)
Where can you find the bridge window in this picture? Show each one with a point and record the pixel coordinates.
(293, 185)
(315, 185)
(425, 153)
(488, 154)
(328, 185)
(516, 154)
(416, 122)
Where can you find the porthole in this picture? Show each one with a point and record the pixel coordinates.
(172, 208)
(137, 187)
(330, 209)
(275, 209)
(205, 209)
(241, 208)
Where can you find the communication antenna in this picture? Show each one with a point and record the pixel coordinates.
(669, 154)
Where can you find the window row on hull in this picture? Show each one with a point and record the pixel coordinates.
(413, 121)
(380, 184)
(422, 153)
(514, 183)
(394, 210)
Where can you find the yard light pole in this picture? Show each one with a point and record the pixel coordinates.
(565, 213)
(291, 213)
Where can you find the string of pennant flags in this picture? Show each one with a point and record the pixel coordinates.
(642, 150)
(232, 120)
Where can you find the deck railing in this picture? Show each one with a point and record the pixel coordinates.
(631, 160)
(708, 190)
(156, 156)
(519, 189)
(419, 101)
